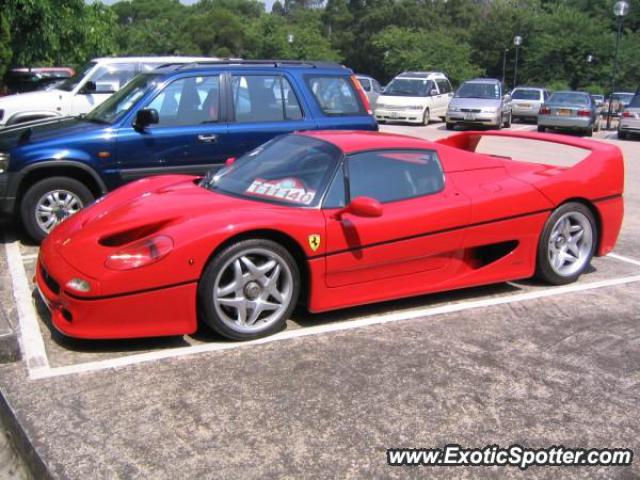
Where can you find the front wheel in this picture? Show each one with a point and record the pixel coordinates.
(48, 202)
(507, 124)
(426, 118)
(567, 244)
(249, 289)
(541, 129)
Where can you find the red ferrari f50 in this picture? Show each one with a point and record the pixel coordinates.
(333, 219)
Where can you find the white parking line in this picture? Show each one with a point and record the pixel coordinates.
(31, 342)
(38, 365)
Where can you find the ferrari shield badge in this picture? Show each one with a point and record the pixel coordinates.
(314, 242)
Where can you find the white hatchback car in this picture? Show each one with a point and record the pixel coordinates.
(414, 97)
(91, 86)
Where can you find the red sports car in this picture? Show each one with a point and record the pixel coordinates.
(330, 219)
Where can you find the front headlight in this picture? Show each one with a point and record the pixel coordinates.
(381, 105)
(4, 162)
(454, 109)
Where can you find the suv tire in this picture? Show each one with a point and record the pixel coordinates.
(69, 194)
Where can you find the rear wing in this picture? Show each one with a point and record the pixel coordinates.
(598, 176)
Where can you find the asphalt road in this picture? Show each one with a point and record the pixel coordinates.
(546, 370)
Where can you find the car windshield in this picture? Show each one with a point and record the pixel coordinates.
(72, 82)
(291, 170)
(113, 108)
(479, 90)
(570, 98)
(635, 102)
(408, 87)
(525, 94)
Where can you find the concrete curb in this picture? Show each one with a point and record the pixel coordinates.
(19, 439)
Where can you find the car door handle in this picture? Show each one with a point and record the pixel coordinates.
(208, 138)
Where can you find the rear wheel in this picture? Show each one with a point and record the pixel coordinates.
(541, 129)
(450, 126)
(249, 290)
(567, 244)
(622, 135)
(589, 131)
(48, 202)
(426, 119)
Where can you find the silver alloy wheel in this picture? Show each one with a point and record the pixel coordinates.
(55, 206)
(253, 290)
(570, 244)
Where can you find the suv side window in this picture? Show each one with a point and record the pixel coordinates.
(111, 78)
(264, 98)
(335, 95)
(443, 85)
(393, 175)
(188, 101)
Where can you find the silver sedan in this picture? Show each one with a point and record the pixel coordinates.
(569, 111)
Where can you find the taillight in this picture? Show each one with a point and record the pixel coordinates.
(362, 93)
(141, 253)
(544, 110)
(584, 113)
(628, 115)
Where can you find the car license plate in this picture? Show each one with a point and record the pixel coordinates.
(469, 116)
(564, 112)
(524, 106)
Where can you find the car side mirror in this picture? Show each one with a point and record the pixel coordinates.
(362, 207)
(230, 161)
(433, 92)
(89, 87)
(506, 97)
(146, 117)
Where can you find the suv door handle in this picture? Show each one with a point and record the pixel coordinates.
(208, 138)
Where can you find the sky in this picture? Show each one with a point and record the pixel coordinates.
(268, 3)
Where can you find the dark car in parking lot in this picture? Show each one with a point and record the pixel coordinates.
(176, 119)
(569, 111)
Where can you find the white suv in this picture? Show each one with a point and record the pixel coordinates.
(414, 97)
(91, 86)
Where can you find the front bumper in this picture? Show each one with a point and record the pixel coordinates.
(471, 118)
(159, 312)
(569, 123)
(409, 116)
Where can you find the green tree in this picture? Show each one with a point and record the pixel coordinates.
(6, 53)
(406, 49)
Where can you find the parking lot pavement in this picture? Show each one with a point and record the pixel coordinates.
(512, 363)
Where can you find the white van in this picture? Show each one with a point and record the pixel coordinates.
(91, 86)
(414, 97)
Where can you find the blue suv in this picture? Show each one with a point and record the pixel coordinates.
(175, 119)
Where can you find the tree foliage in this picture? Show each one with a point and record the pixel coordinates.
(464, 38)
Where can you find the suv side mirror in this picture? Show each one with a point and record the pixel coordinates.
(89, 87)
(362, 207)
(146, 117)
(433, 92)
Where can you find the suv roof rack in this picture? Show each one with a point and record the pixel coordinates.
(264, 63)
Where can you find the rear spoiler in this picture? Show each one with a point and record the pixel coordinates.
(599, 175)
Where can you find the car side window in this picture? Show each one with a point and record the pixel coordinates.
(443, 85)
(393, 175)
(366, 84)
(188, 101)
(335, 95)
(264, 98)
(376, 86)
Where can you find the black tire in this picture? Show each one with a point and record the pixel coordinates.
(39, 190)
(426, 118)
(622, 135)
(589, 132)
(450, 126)
(544, 269)
(541, 129)
(500, 123)
(206, 307)
(508, 122)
